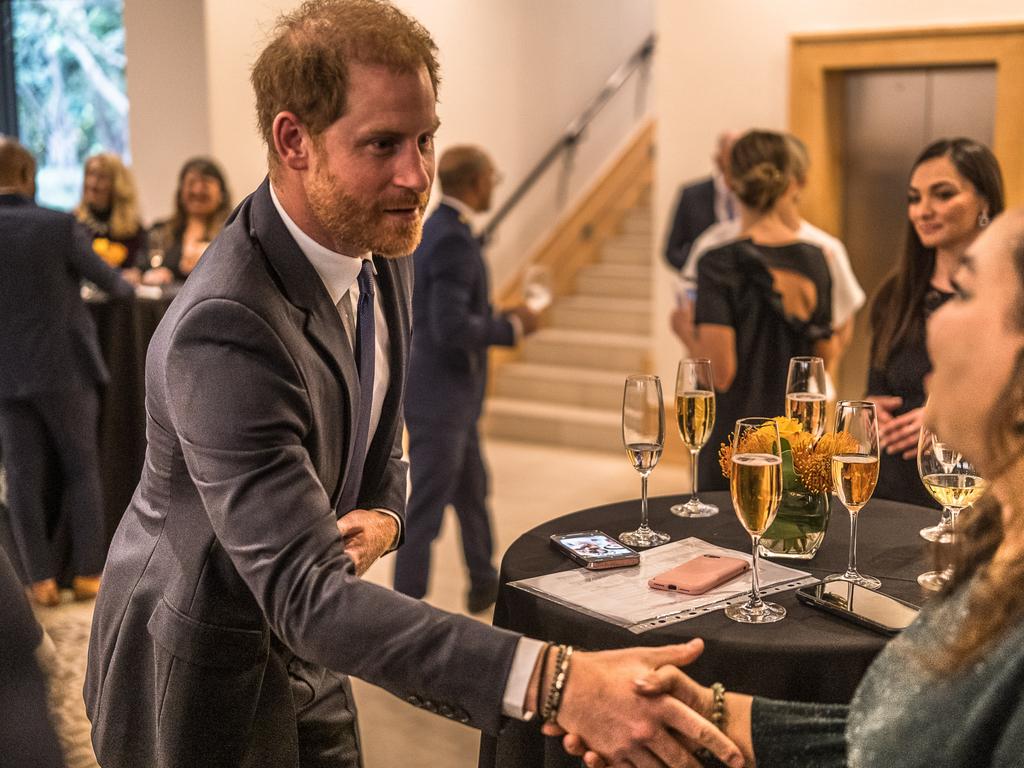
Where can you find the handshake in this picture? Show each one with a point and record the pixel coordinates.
(634, 707)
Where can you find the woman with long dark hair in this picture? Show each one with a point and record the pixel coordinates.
(955, 189)
(201, 204)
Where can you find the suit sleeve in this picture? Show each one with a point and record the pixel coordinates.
(85, 263)
(677, 248)
(453, 320)
(241, 411)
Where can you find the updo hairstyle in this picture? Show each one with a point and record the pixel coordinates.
(761, 169)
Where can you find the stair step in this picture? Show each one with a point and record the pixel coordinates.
(620, 280)
(582, 428)
(601, 313)
(588, 349)
(638, 220)
(582, 387)
(623, 250)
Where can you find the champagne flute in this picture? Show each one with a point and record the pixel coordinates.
(952, 481)
(806, 388)
(537, 291)
(855, 474)
(695, 415)
(643, 434)
(755, 481)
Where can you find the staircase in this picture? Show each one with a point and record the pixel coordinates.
(565, 387)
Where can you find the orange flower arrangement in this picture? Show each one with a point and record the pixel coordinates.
(811, 462)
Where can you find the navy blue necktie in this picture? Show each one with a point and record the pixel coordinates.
(366, 349)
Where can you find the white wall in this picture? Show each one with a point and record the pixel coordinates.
(513, 75)
(165, 47)
(724, 63)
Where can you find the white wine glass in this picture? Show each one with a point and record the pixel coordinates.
(695, 416)
(643, 435)
(806, 392)
(537, 291)
(952, 481)
(855, 475)
(755, 482)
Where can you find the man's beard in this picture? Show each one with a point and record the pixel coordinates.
(353, 223)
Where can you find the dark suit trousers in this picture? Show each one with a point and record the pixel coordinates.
(36, 432)
(446, 468)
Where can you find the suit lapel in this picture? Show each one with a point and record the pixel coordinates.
(302, 286)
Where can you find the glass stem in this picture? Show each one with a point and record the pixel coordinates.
(755, 582)
(851, 566)
(643, 502)
(693, 474)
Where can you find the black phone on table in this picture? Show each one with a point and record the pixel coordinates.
(594, 549)
(867, 607)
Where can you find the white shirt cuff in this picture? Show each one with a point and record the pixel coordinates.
(523, 663)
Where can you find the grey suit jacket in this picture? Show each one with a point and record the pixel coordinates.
(228, 560)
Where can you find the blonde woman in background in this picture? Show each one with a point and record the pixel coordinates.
(109, 210)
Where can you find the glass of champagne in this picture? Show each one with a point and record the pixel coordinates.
(755, 481)
(953, 482)
(643, 434)
(806, 388)
(695, 415)
(855, 474)
(537, 291)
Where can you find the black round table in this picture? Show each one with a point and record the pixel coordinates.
(808, 656)
(124, 328)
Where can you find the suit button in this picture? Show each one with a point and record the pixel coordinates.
(463, 717)
(446, 711)
(430, 706)
(416, 701)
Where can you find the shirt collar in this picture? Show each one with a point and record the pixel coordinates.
(338, 271)
(465, 212)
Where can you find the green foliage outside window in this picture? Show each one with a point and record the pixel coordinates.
(70, 82)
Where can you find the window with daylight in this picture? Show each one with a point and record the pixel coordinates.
(64, 87)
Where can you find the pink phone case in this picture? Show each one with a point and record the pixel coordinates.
(697, 576)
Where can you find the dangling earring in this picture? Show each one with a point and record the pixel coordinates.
(983, 219)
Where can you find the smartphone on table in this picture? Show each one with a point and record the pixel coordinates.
(698, 575)
(867, 607)
(594, 549)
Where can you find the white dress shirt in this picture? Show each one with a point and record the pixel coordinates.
(339, 273)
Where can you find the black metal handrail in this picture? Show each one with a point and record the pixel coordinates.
(568, 140)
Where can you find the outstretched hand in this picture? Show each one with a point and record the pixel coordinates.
(612, 719)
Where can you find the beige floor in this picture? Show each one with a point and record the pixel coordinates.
(529, 484)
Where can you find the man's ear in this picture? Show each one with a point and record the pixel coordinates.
(292, 141)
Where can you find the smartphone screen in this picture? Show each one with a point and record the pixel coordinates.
(595, 547)
(866, 605)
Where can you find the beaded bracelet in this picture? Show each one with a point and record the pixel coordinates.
(717, 719)
(554, 697)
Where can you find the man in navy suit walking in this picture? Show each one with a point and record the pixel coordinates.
(453, 325)
(50, 377)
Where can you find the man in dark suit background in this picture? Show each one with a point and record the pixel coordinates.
(50, 376)
(701, 204)
(232, 596)
(453, 326)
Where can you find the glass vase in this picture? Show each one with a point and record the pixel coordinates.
(799, 527)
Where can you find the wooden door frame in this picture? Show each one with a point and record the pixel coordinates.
(819, 62)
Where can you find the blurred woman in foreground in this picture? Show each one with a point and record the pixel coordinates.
(965, 652)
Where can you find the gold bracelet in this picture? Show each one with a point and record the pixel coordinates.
(554, 697)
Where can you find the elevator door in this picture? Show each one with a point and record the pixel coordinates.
(889, 117)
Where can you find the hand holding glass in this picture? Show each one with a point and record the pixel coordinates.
(806, 388)
(695, 415)
(755, 483)
(953, 482)
(855, 474)
(643, 435)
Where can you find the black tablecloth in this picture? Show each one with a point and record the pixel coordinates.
(808, 656)
(124, 327)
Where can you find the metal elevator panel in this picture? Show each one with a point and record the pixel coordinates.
(889, 116)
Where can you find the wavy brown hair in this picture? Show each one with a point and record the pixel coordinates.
(304, 68)
(898, 310)
(761, 168)
(996, 602)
